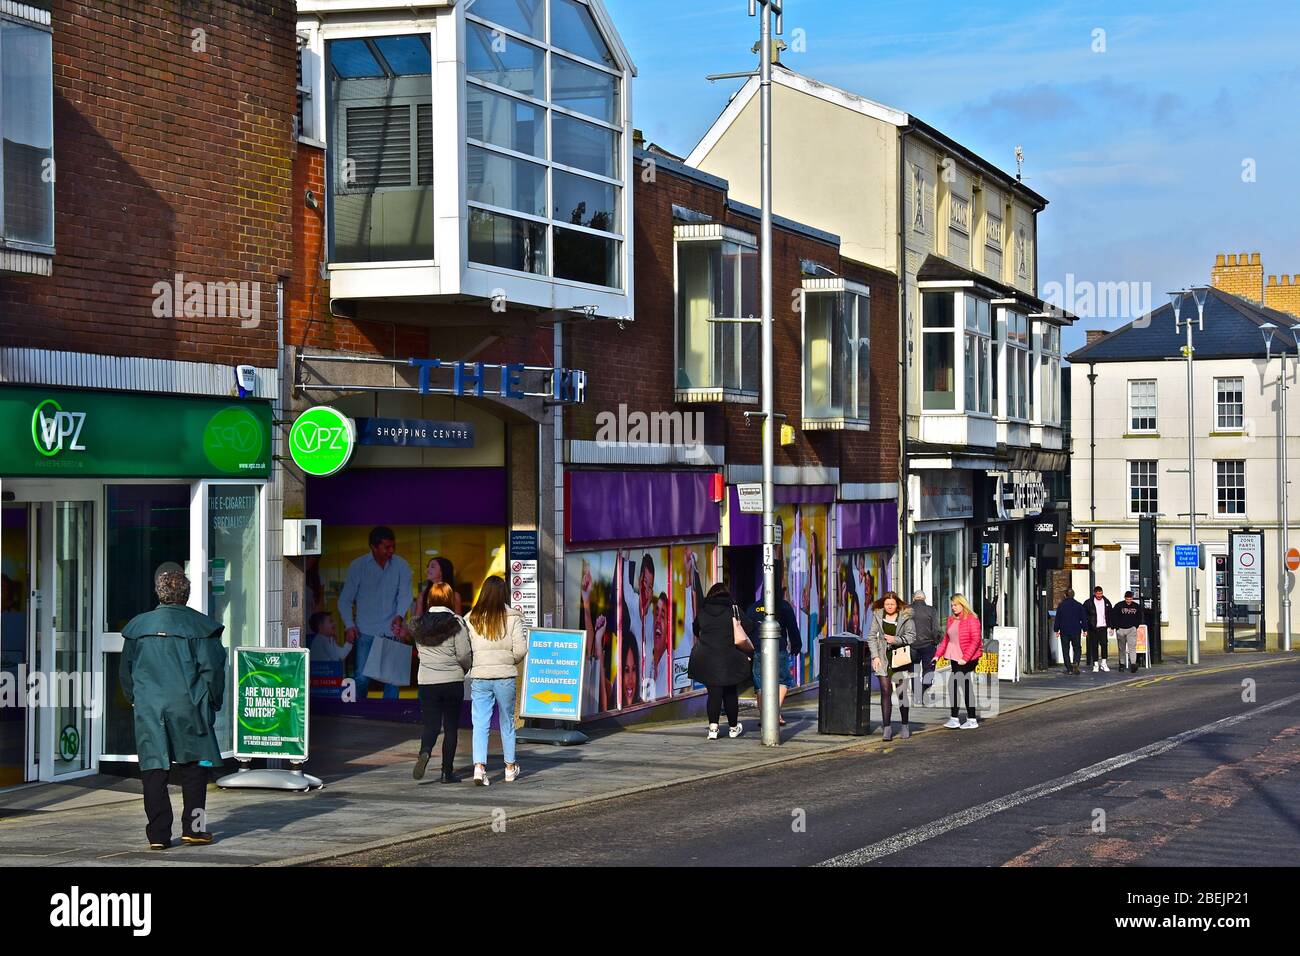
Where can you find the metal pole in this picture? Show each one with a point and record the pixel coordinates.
(770, 630)
(1284, 531)
(1193, 598)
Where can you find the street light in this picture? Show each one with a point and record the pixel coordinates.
(1176, 299)
(1268, 330)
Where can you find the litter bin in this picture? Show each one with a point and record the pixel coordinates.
(844, 691)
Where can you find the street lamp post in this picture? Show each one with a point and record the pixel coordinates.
(1268, 329)
(770, 630)
(1193, 592)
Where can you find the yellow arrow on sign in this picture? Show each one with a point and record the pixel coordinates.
(551, 697)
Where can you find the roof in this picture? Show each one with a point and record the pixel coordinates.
(786, 77)
(936, 268)
(1232, 330)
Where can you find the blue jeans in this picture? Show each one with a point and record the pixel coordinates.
(483, 694)
(364, 642)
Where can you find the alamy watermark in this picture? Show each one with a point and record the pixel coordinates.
(677, 429)
(1099, 300)
(208, 300)
(21, 688)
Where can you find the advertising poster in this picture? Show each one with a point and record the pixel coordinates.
(590, 596)
(862, 578)
(804, 546)
(692, 577)
(645, 625)
(271, 702)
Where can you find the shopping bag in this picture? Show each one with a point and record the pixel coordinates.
(389, 662)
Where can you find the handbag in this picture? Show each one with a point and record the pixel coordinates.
(900, 658)
(389, 662)
(738, 633)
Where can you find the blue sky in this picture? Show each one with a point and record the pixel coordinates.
(1139, 148)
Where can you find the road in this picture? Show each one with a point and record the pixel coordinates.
(1199, 769)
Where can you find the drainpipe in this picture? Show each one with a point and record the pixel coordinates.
(904, 340)
(1092, 473)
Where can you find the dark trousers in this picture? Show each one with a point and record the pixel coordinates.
(440, 704)
(720, 697)
(1097, 644)
(961, 679)
(158, 805)
(1069, 643)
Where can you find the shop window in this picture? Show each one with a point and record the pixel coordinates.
(1142, 405)
(380, 169)
(1230, 487)
(836, 353)
(1142, 492)
(1229, 404)
(234, 554)
(145, 527)
(26, 136)
(558, 215)
(717, 288)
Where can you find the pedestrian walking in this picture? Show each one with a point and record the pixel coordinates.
(443, 644)
(925, 621)
(1098, 612)
(724, 639)
(498, 643)
(1069, 623)
(891, 641)
(1128, 618)
(791, 647)
(962, 647)
(373, 603)
(173, 673)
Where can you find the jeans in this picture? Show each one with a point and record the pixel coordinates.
(1069, 643)
(1098, 643)
(440, 706)
(483, 694)
(961, 678)
(364, 642)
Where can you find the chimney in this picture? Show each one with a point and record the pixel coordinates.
(1094, 335)
(1283, 293)
(1241, 274)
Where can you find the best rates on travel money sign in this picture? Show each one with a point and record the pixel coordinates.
(553, 674)
(271, 702)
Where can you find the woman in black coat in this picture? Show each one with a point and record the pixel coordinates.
(720, 659)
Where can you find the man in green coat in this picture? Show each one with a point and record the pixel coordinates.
(174, 674)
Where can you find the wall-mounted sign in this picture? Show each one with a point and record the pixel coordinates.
(87, 434)
(321, 441)
(514, 380)
(944, 495)
(1018, 494)
(1247, 555)
(524, 591)
(414, 433)
(750, 497)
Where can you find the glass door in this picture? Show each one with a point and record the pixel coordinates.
(16, 630)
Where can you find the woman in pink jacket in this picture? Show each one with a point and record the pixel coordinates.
(961, 646)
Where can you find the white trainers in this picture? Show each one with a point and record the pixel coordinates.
(1096, 668)
(952, 723)
(736, 731)
(1105, 666)
(480, 775)
(970, 724)
(512, 773)
(713, 731)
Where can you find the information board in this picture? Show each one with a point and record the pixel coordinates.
(1247, 553)
(553, 674)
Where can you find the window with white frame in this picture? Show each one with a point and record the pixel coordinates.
(1142, 493)
(939, 351)
(1229, 404)
(1142, 405)
(836, 353)
(26, 133)
(1017, 360)
(1049, 374)
(1230, 487)
(380, 171)
(545, 150)
(307, 122)
(717, 284)
(977, 353)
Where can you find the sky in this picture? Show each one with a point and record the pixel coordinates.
(1161, 133)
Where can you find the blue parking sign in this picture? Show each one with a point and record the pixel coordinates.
(553, 672)
(1187, 555)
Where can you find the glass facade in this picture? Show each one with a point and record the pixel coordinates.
(837, 355)
(716, 280)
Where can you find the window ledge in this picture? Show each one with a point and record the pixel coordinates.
(703, 396)
(835, 424)
(24, 262)
(1140, 435)
(1229, 433)
(309, 141)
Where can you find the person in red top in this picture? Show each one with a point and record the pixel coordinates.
(961, 647)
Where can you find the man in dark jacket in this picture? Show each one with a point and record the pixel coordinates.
(1128, 618)
(173, 673)
(1068, 624)
(1098, 612)
(791, 647)
(928, 632)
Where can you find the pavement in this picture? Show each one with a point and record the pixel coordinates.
(370, 803)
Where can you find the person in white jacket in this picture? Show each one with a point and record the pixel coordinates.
(498, 642)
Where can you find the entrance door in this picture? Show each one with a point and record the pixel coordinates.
(62, 611)
(16, 541)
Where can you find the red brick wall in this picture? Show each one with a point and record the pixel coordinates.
(636, 365)
(168, 159)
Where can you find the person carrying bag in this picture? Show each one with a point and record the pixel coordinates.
(891, 640)
(720, 659)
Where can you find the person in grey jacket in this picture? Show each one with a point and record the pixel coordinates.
(498, 641)
(929, 632)
(442, 641)
(891, 629)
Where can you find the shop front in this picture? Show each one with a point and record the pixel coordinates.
(942, 510)
(641, 551)
(100, 491)
(866, 538)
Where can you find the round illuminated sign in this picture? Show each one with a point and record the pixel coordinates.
(321, 441)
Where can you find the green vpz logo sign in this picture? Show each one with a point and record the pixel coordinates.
(321, 441)
(54, 430)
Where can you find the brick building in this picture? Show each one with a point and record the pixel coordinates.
(1243, 275)
(143, 241)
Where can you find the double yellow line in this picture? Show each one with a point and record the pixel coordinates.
(1148, 681)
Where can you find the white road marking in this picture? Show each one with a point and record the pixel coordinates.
(929, 831)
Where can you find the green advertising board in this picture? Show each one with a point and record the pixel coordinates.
(50, 432)
(321, 441)
(271, 700)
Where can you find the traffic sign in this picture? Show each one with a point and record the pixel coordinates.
(1187, 556)
(1293, 559)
